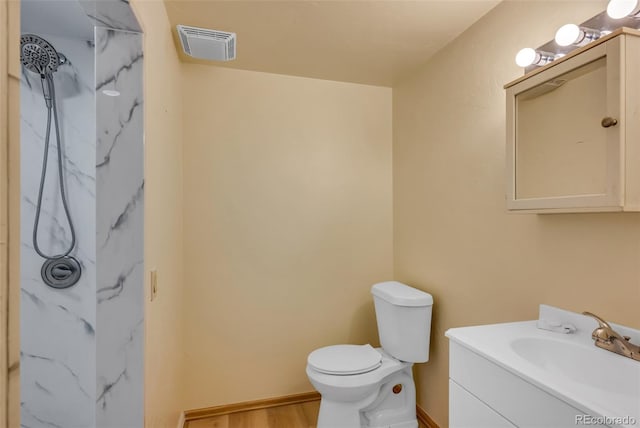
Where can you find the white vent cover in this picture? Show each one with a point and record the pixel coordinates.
(203, 43)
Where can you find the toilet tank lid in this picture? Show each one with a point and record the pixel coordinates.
(400, 294)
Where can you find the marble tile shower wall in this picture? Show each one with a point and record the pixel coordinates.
(57, 327)
(82, 348)
(114, 14)
(120, 191)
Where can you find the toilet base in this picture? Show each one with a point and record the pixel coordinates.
(342, 415)
(395, 409)
(383, 408)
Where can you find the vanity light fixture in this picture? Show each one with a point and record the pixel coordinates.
(618, 9)
(571, 34)
(528, 56)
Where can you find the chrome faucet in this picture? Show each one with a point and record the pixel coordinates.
(607, 338)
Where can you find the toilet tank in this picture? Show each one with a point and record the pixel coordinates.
(403, 314)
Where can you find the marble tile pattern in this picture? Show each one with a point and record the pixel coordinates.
(82, 348)
(115, 14)
(119, 229)
(58, 327)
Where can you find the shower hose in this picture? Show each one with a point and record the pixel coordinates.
(48, 90)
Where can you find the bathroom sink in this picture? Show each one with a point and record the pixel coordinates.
(580, 364)
(567, 366)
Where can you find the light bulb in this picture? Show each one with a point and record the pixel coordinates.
(525, 57)
(571, 34)
(568, 35)
(618, 9)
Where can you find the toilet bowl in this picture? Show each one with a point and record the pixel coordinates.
(362, 386)
(349, 401)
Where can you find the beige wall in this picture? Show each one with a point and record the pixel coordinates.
(452, 235)
(163, 218)
(287, 205)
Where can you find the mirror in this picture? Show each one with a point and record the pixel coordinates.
(561, 145)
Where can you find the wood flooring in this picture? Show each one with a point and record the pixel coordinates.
(302, 415)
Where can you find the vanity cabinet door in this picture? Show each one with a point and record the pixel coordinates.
(466, 411)
(565, 134)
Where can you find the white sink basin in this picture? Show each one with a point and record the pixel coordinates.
(580, 364)
(568, 366)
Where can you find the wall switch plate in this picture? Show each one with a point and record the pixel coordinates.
(153, 282)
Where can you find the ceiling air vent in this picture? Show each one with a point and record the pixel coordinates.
(203, 43)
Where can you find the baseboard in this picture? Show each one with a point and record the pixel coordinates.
(226, 409)
(424, 418)
(181, 420)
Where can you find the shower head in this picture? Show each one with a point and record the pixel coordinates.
(37, 55)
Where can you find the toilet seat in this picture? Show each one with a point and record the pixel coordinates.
(345, 360)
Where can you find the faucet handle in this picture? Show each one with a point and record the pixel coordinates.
(606, 338)
(601, 322)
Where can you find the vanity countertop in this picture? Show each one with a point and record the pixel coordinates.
(567, 366)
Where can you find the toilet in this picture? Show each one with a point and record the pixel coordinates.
(362, 386)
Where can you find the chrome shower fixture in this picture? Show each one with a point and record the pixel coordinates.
(37, 55)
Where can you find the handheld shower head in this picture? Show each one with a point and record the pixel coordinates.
(37, 55)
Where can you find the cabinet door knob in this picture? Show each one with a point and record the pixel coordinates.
(608, 122)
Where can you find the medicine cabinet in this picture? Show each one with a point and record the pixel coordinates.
(573, 131)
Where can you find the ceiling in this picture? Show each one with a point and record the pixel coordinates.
(362, 41)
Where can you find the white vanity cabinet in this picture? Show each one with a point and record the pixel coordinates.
(468, 411)
(483, 394)
(573, 131)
